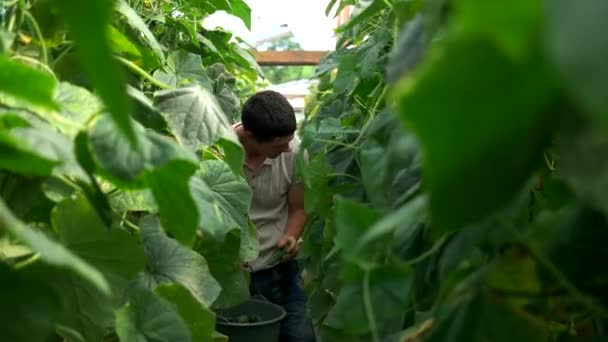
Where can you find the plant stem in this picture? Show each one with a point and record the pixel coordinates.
(369, 309)
(430, 252)
(342, 174)
(141, 72)
(39, 35)
(28, 261)
(37, 62)
(338, 143)
(62, 54)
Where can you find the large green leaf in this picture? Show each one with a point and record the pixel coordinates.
(136, 22)
(177, 208)
(114, 252)
(352, 219)
(197, 120)
(578, 48)
(77, 104)
(29, 307)
(161, 164)
(400, 225)
(53, 146)
(226, 267)
(89, 21)
(133, 200)
(170, 262)
(513, 27)
(85, 309)
(182, 68)
(484, 317)
(222, 199)
(50, 251)
(145, 112)
(35, 86)
(387, 289)
(484, 135)
(16, 157)
(147, 317)
(199, 319)
(116, 156)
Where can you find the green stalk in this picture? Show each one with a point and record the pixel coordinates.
(43, 49)
(369, 309)
(141, 72)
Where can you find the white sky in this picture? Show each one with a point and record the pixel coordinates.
(305, 18)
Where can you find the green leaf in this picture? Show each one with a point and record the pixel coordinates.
(84, 308)
(388, 292)
(182, 68)
(89, 21)
(16, 157)
(199, 319)
(177, 208)
(578, 49)
(116, 156)
(222, 199)
(512, 27)
(223, 90)
(133, 200)
(366, 9)
(147, 317)
(170, 262)
(38, 89)
(402, 222)
(241, 10)
(29, 307)
(198, 121)
(474, 169)
(245, 59)
(144, 111)
(114, 252)
(52, 146)
(226, 267)
(50, 251)
(352, 219)
(135, 21)
(77, 104)
(482, 317)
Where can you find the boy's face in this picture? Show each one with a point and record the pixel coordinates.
(273, 148)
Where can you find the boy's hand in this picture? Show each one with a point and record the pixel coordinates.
(290, 245)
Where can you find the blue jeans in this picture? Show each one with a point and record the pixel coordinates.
(282, 285)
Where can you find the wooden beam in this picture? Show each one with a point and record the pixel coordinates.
(289, 57)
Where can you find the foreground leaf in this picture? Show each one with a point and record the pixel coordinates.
(388, 292)
(38, 89)
(147, 317)
(200, 320)
(226, 267)
(29, 307)
(89, 21)
(136, 22)
(118, 255)
(222, 199)
(50, 251)
(473, 169)
(167, 261)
